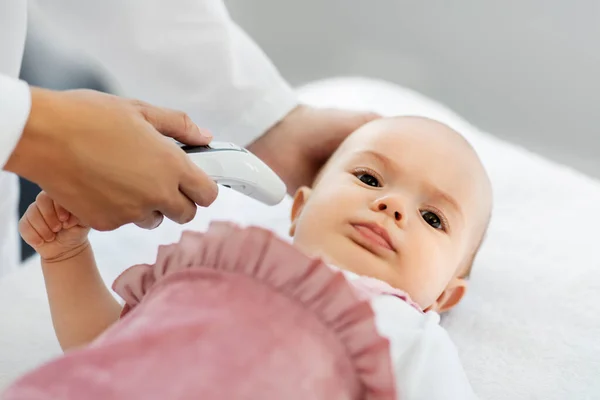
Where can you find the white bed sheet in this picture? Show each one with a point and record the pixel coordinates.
(529, 327)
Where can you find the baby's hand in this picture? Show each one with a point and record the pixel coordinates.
(53, 232)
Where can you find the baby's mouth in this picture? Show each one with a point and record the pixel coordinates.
(373, 237)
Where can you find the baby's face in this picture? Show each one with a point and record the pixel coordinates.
(404, 200)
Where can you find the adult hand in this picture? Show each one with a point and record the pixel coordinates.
(300, 144)
(108, 160)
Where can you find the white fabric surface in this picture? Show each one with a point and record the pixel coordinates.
(528, 327)
(14, 109)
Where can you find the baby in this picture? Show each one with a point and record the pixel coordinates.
(401, 208)
(404, 200)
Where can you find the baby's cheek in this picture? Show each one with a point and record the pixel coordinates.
(440, 275)
(422, 278)
(308, 228)
(414, 287)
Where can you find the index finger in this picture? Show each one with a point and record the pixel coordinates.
(175, 124)
(48, 211)
(63, 214)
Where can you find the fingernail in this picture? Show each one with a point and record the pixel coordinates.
(205, 133)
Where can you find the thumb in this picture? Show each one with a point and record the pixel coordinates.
(175, 124)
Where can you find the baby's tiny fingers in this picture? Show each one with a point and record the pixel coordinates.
(35, 218)
(29, 234)
(71, 222)
(48, 210)
(63, 214)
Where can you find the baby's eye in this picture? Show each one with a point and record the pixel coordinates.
(368, 179)
(432, 219)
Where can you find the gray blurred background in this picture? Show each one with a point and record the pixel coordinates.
(525, 71)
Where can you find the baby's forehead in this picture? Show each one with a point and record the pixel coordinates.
(405, 131)
(418, 145)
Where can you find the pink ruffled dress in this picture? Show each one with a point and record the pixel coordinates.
(229, 314)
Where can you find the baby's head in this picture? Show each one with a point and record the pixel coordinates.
(405, 200)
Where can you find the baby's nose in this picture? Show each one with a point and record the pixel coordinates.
(390, 206)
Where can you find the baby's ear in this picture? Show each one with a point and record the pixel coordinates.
(300, 199)
(451, 296)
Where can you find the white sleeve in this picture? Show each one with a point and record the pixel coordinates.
(15, 104)
(183, 54)
(426, 362)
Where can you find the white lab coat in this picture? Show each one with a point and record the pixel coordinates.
(183, 54)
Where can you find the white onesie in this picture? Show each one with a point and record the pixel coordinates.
(425, 361)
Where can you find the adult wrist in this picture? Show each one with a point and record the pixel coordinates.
(34, 145)
(275, 146)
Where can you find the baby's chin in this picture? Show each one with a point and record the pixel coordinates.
(361, 264)
(356, 260)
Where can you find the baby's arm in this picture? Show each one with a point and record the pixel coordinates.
(81, 305)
